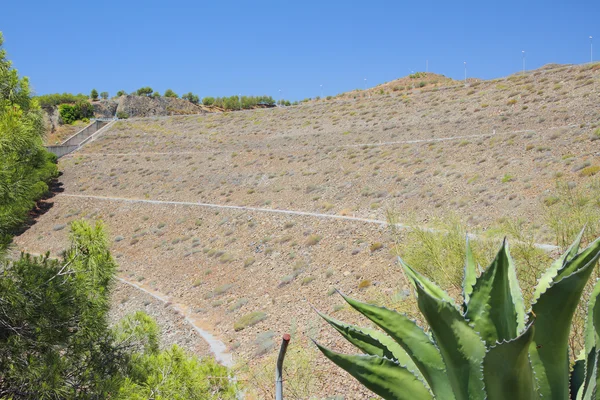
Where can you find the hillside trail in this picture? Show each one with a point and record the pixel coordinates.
(542, 246)
(217, 347)
(354, 145)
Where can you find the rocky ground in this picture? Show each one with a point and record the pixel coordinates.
(263, 212)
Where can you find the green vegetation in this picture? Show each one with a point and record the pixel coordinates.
(26, 168)
(94, 94)
(55, 340)
(170, 93)
(249, 320)
(246, 102)
(313, 240)
(192, 98)
(104, 95)
(48, 101)
(417, 75)
(487, 347)
(122, 115)
(589, 171)
(79, 111)
(121, 93)
(573, 206)
(144, 91)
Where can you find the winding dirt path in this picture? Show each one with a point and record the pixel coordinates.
(217, 347)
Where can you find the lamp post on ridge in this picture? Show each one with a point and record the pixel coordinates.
(321, 91)
(591, 51)
(465, 72)
(523, 51)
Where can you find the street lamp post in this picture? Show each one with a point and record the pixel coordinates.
(240, 96)
(591, 51)
(465, 72)
(523, 51)
(321, 91)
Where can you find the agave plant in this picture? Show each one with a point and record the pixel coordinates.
(488, 347)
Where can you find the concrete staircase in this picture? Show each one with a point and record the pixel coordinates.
(85, 135)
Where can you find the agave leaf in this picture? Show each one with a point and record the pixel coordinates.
(461, 347)
(548, 277)
(374, 342)
(416, 278)
(414, 341)
(553, 313)
(551, 274)
(496, 308)
(470, 274)
(507, 365)
(577, 377)
(587, 390)
(590, 323)
(382, 376)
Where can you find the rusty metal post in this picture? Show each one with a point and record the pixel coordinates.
(279, 370)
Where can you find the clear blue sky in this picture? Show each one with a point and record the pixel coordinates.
(258, 47)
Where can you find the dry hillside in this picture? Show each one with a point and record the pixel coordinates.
(267, 210)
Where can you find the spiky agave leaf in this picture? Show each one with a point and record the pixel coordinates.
(470, 277)
(427, 285)
(461, 347)
(577, 380)
(548, 277)
(496, 309)
(553, 313)
(382, 376)
(374, 342)
(507, 369)
(590, 355)
(416, 343)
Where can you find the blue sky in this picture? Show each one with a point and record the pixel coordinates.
(221, 48)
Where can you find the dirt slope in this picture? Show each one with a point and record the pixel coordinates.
(489, 150)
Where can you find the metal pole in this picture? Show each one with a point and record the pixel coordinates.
(523, 51)
(591, 51)
(321, 91)
(240, 101)
(465, 72)
(279, 369)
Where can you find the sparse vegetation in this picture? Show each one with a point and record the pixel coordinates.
(249, 320)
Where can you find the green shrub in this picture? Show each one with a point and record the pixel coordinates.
(94, 94)
(121, 93)
(144, 91)
(104, 95)
(574, 206)
(71, 113)
(122, 115)
(249, 320)
(313, 240)
(487, 347)
(208, 101)
(170, 93)
(192, 98)
(68, 113)
(590, 171)
(48, 101)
